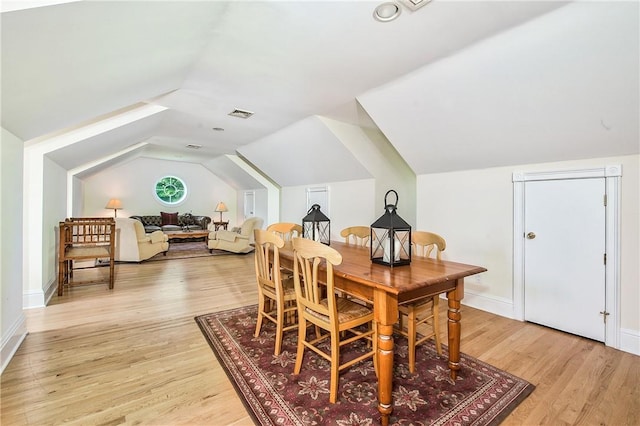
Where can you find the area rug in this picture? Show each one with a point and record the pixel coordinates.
(273, 395)
(185, 250)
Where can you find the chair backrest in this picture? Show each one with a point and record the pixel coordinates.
(308, 255)
(139, 229)
(358, 235)
(250, 224)
(267, 260)
(286, 230)
(424, 242)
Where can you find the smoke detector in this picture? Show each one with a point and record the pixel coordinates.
(240, 113)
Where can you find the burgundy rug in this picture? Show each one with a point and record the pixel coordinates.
(481, 395)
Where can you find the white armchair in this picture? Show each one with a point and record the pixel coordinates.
(133, 245)
(236, 242)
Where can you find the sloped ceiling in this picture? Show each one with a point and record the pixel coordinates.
(441, 82)
(559, 88)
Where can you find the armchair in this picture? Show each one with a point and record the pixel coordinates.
(133, 245)
(234, 241)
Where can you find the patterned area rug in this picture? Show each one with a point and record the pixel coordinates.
(481, 395)
(185, 250)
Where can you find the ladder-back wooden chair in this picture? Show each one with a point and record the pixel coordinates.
(276, 297)
(286, 230)
(343, 321)
(85, 238)
(425, 310)
(358, 235)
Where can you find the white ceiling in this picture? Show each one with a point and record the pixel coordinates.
(448, 84)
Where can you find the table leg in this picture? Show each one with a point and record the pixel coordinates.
(454, 297)
(386, 314)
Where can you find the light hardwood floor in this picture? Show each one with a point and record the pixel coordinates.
(135, 355)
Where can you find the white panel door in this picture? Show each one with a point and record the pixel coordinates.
(249, 204)
(564, 278)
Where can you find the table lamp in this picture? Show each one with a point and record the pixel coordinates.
(221, 207)
(114, 204)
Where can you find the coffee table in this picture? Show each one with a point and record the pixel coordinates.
(183, 235)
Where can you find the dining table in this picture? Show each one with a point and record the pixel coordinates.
(385, 288)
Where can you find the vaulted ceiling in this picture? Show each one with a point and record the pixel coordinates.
(453, 85)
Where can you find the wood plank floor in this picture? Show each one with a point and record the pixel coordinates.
(134, 355)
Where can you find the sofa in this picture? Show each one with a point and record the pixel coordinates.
(238, 240)
(173, 222)
(134, 245)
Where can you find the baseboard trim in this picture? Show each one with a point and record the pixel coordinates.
(494, 305)
(39, 298)
(33, 299)
(12, 341)
(630, 341)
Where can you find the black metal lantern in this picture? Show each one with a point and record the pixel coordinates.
(316, 226)
(391, 237)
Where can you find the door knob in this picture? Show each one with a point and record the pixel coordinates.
(531, 235)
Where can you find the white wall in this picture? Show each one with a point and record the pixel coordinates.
(13, 327)
(134, 182)
(350, 203)
(473, 210)
(54, 211)
(383, 162)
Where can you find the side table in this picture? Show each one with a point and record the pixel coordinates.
(222, 225)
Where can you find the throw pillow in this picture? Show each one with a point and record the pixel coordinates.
(169, 218)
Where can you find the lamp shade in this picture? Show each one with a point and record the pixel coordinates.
(113, 203)
(391, 237)
(221, 207)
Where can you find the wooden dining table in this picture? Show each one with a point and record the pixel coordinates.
(385, 288)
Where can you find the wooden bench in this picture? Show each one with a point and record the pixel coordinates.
(81, 239)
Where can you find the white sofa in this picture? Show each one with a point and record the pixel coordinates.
(133, 245)
(238, 240)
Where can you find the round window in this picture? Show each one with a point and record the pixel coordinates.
(170, 190)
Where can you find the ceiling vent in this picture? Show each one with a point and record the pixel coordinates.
(414, 5)
(194, 146)
(240, 113)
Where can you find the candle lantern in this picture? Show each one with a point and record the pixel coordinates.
(316, 226)
(391, 237)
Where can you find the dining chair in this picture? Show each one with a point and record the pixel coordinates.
(335, 318)
(358, 235)
(425, 310)
(276, 297)
(286, 230)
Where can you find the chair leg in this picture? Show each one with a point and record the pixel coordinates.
(375, 347)
(279, 327)
(411, 338)
(111, 273)
(259, 319)
(302, 332)
(61, 274)
(335, 364)
(436, 324)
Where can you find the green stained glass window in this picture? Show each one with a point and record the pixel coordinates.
(171, 190)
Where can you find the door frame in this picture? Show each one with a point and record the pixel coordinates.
(612, 175)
